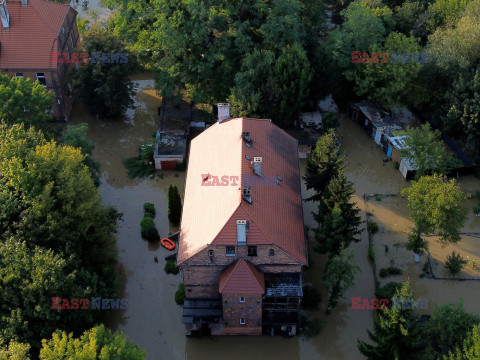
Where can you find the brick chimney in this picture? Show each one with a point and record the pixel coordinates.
(4, 16)
(223, 111)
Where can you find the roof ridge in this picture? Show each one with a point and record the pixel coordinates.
(249, 264)
(42, 18)
(235, 263)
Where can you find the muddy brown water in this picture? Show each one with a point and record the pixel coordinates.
(153, 320)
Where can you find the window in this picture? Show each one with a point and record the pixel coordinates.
(41, 78)
(252, 251)
(230, 251)
(271, 252)
(19, 75)
(242, 299)
(242, 321)
(210, 253)
(63, 29)
(71, 40)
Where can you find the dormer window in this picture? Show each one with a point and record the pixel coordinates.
(241, 232)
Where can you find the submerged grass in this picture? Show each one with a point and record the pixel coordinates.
(137, 168)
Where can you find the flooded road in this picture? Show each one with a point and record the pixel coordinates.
(153, 320)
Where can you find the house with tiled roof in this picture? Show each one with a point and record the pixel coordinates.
(31, 34)
(241, 243)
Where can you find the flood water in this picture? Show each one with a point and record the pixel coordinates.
(153, 320)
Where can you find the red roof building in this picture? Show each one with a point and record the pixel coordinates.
(241, 240)
(31, 33)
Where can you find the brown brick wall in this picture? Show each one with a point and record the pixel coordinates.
(199, 270)
(250, 310)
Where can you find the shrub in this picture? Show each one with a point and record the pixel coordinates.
(311, 298)
(455, 263)
(151, 234)
(174, 205)
(309, 327)
(147, 214)
(388, 291)
(171, 268)
(371, 252)
(416, 243)
(149, 208)
(396, 165)
(378, 198)
(329, 121)
(180, 294)
(392, 270)
(149, 231)
(372, 227)
(181, 166)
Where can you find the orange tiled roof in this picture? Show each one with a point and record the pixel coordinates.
(32, 36)
(241, 277)
(210, 212)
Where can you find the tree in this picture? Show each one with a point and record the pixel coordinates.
(361, 30)
(338, 194)
(272, 87)
(470, 349)
(391, 335)
(98, 343)
(104, 87)
(463, 109)
(330, 236)
(24, 101)
(29, 278)
(174, 205)
(407, 15)
(14, 351)
(457, 45)
(455, 263)
(445, 12)
(49, 203)
(427, 150)
(323, 164)
(76, 136)
(338, 276)
(448, 327)
(437, 206)
(389, 84)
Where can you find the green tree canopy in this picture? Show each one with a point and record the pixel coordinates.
(14, 351)
(98, 343)
(338, 276)
(361, 30)
(470, 349)
(323, 164)
(425, 147)
(51, 209)
(437, 206)
(463, 109)
(448, 327)
(24, 101)
(76, 136)
(389, 84)
(104, 87)
(457, 45)
(391, 335)
(272, 87)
